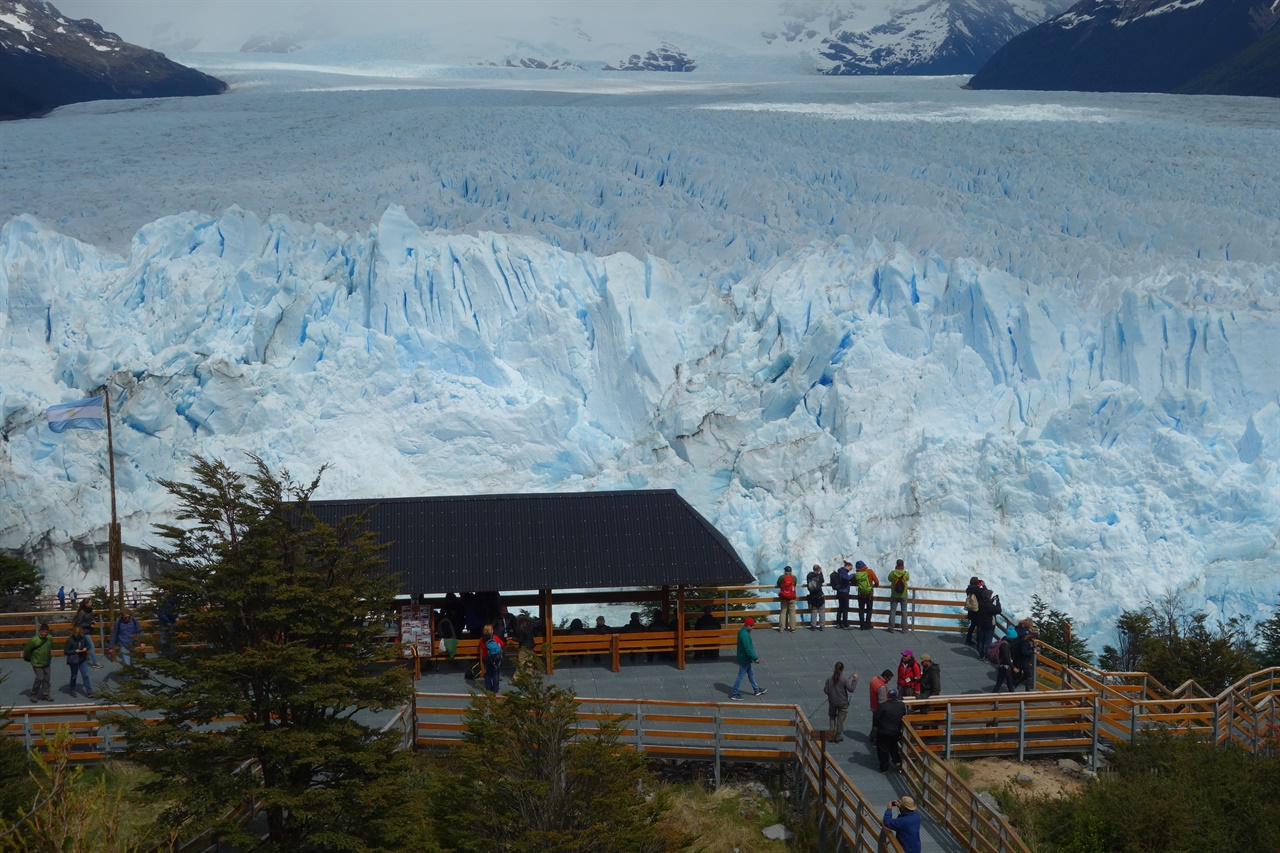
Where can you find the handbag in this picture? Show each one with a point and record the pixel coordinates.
(74, 659)
(474, 672)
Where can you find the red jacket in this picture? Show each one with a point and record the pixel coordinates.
(876, 684)
(909, 676)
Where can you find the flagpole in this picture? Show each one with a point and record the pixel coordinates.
(115, 567)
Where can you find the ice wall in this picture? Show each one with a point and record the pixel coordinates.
(1098, 444)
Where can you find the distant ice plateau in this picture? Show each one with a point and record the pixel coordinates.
(1030, 337)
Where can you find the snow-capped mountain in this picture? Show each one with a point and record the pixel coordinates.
(1140, 46)
(934, 37)
(47, 60)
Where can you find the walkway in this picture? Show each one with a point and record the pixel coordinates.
(793, 669)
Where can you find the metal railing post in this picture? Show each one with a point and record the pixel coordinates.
(1022, 730)
(1133, 723)
(1093, 749)
(946, 750)
(639, 727)
(719, 730)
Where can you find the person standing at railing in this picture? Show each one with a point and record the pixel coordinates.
(841, 581)
(62, 598)
(837, 688)
(747, 659)
(787, 601)
(898, 591)
(39, 653)
(866, 581)
(906, 825)
(1023, 652)
(816, 599)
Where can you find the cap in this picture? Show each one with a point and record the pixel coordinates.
(861, 565)
(749, 622)
(907, 803)
(893, 694)
(924, 658)
(1011, 634)
(906, 653)
(44, 626)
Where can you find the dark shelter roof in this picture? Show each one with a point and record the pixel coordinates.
(560, 540)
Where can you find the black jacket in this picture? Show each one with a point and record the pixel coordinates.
(890, 720)
(988, 609)
(931, 681)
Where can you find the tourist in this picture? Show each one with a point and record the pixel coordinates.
(76, 652)
(491, 658)
(906, 826)
(62, 598)
(747, 658)
(837, 688)
(706, 622)
(39, 653)
(86, 620)
(971, 607)
(889, 732)
(988, 609)
(787, 601)
(841, 582)
(898, 590)
(125, 635)
(1004, 661)
(866, 581)
(879, 693)
(816, 600)
(930, 677)
(909, 673)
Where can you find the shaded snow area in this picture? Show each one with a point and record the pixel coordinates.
(1029, 336)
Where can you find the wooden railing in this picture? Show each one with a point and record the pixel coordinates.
(949, 800)
(1012, 724)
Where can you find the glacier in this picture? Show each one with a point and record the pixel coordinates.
(1029, 336)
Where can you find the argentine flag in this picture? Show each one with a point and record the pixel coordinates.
(82, 414)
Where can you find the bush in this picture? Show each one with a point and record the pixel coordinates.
(1165, 792)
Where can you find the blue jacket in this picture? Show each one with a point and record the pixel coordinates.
(124, 633)
(906, 827)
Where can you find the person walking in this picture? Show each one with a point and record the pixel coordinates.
(930, 677)
(837, 688)
(747, 658)
(889, 732)
(898, 580)
(865, 579)
(879, 695)
(817, 600)
(87, 621)
(76, 652)
(125, 635)
(906, 826)
(971, 607)
(1004, 661)
(787, 599)
(841, 582)
(39, 653)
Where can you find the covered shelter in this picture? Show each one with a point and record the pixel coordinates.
(615, 546)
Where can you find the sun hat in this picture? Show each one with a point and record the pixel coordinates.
(749, 622)
(924, 658)
(907, 803)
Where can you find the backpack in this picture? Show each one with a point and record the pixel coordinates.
(900, 585)
(493, 654)
(993, 652)
(836, 583)
(815, 584)
(971, 603)
(864, 583)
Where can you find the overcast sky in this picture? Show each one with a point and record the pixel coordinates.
(224, 24)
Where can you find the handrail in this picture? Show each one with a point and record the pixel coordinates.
(952, 803)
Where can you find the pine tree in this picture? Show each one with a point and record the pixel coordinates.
(276, 632)
(529, 779)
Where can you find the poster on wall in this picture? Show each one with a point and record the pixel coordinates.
(415, 630)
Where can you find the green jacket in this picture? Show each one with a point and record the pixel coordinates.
(41, 649)
(746, 648)
(893, 577)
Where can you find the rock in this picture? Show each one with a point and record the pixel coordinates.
(777, 832)
(1069, 765)
(991, 802)
(1024, 779)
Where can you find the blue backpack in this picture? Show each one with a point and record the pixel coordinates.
(493, 655)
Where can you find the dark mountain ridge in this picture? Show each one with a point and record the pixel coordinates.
(47, 60)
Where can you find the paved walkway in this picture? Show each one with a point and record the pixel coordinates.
(793, 670)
